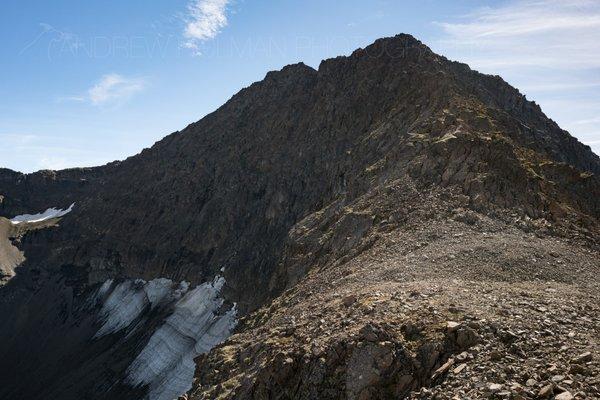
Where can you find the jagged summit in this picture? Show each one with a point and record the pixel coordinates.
(394, 47)
(391, 171)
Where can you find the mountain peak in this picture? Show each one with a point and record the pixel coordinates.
(291, 71)
(395, 49)
(342, 211)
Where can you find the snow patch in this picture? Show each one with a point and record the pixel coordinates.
(102, 290)
(46, 215)
(198, 322)
(129, 299)
(157, 290)
(166, 365)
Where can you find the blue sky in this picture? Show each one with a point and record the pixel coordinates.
(85, 83)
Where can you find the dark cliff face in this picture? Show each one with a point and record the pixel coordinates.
(226, 190)
(22, 193)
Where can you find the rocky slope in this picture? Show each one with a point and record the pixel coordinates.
(451, 305)
(354, 211)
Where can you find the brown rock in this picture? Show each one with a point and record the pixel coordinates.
(349, 300)
(460, 368)
(495, 387)
(452, 326)
(579, 369)
(564, 396)
(546, 392)
(495, 355)
(582, 358)
(466, 337)
(370, 333)
(443, 369)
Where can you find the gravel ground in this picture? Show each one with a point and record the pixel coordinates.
(466, 310)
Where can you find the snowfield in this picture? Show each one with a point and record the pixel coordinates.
(196, 325)
(46, 215)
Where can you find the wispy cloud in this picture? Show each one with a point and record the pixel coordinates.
(15, 139)
(53, 163)
(114, 87)
(550, 33)
(205, 20)
(30, 152)
(550, 49)
(110, 89)
(68, 41)
(590, 121)
(560, 86)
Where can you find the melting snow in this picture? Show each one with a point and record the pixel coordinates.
(129, 299)
(48, 214)
(157, 290)
(197, 324)
(103, 289)
(166, 365)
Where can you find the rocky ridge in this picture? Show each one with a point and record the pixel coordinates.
(455, 305)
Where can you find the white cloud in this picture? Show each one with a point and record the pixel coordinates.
(559, 86)
(549, 33)
(30, 152)
(590, 121)
(77, 99)
(14, 139)
(114, 87)
(550, 49)
(205, 21)
(110, 89)
(53, 163)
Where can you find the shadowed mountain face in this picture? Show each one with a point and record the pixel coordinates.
(262, 186)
